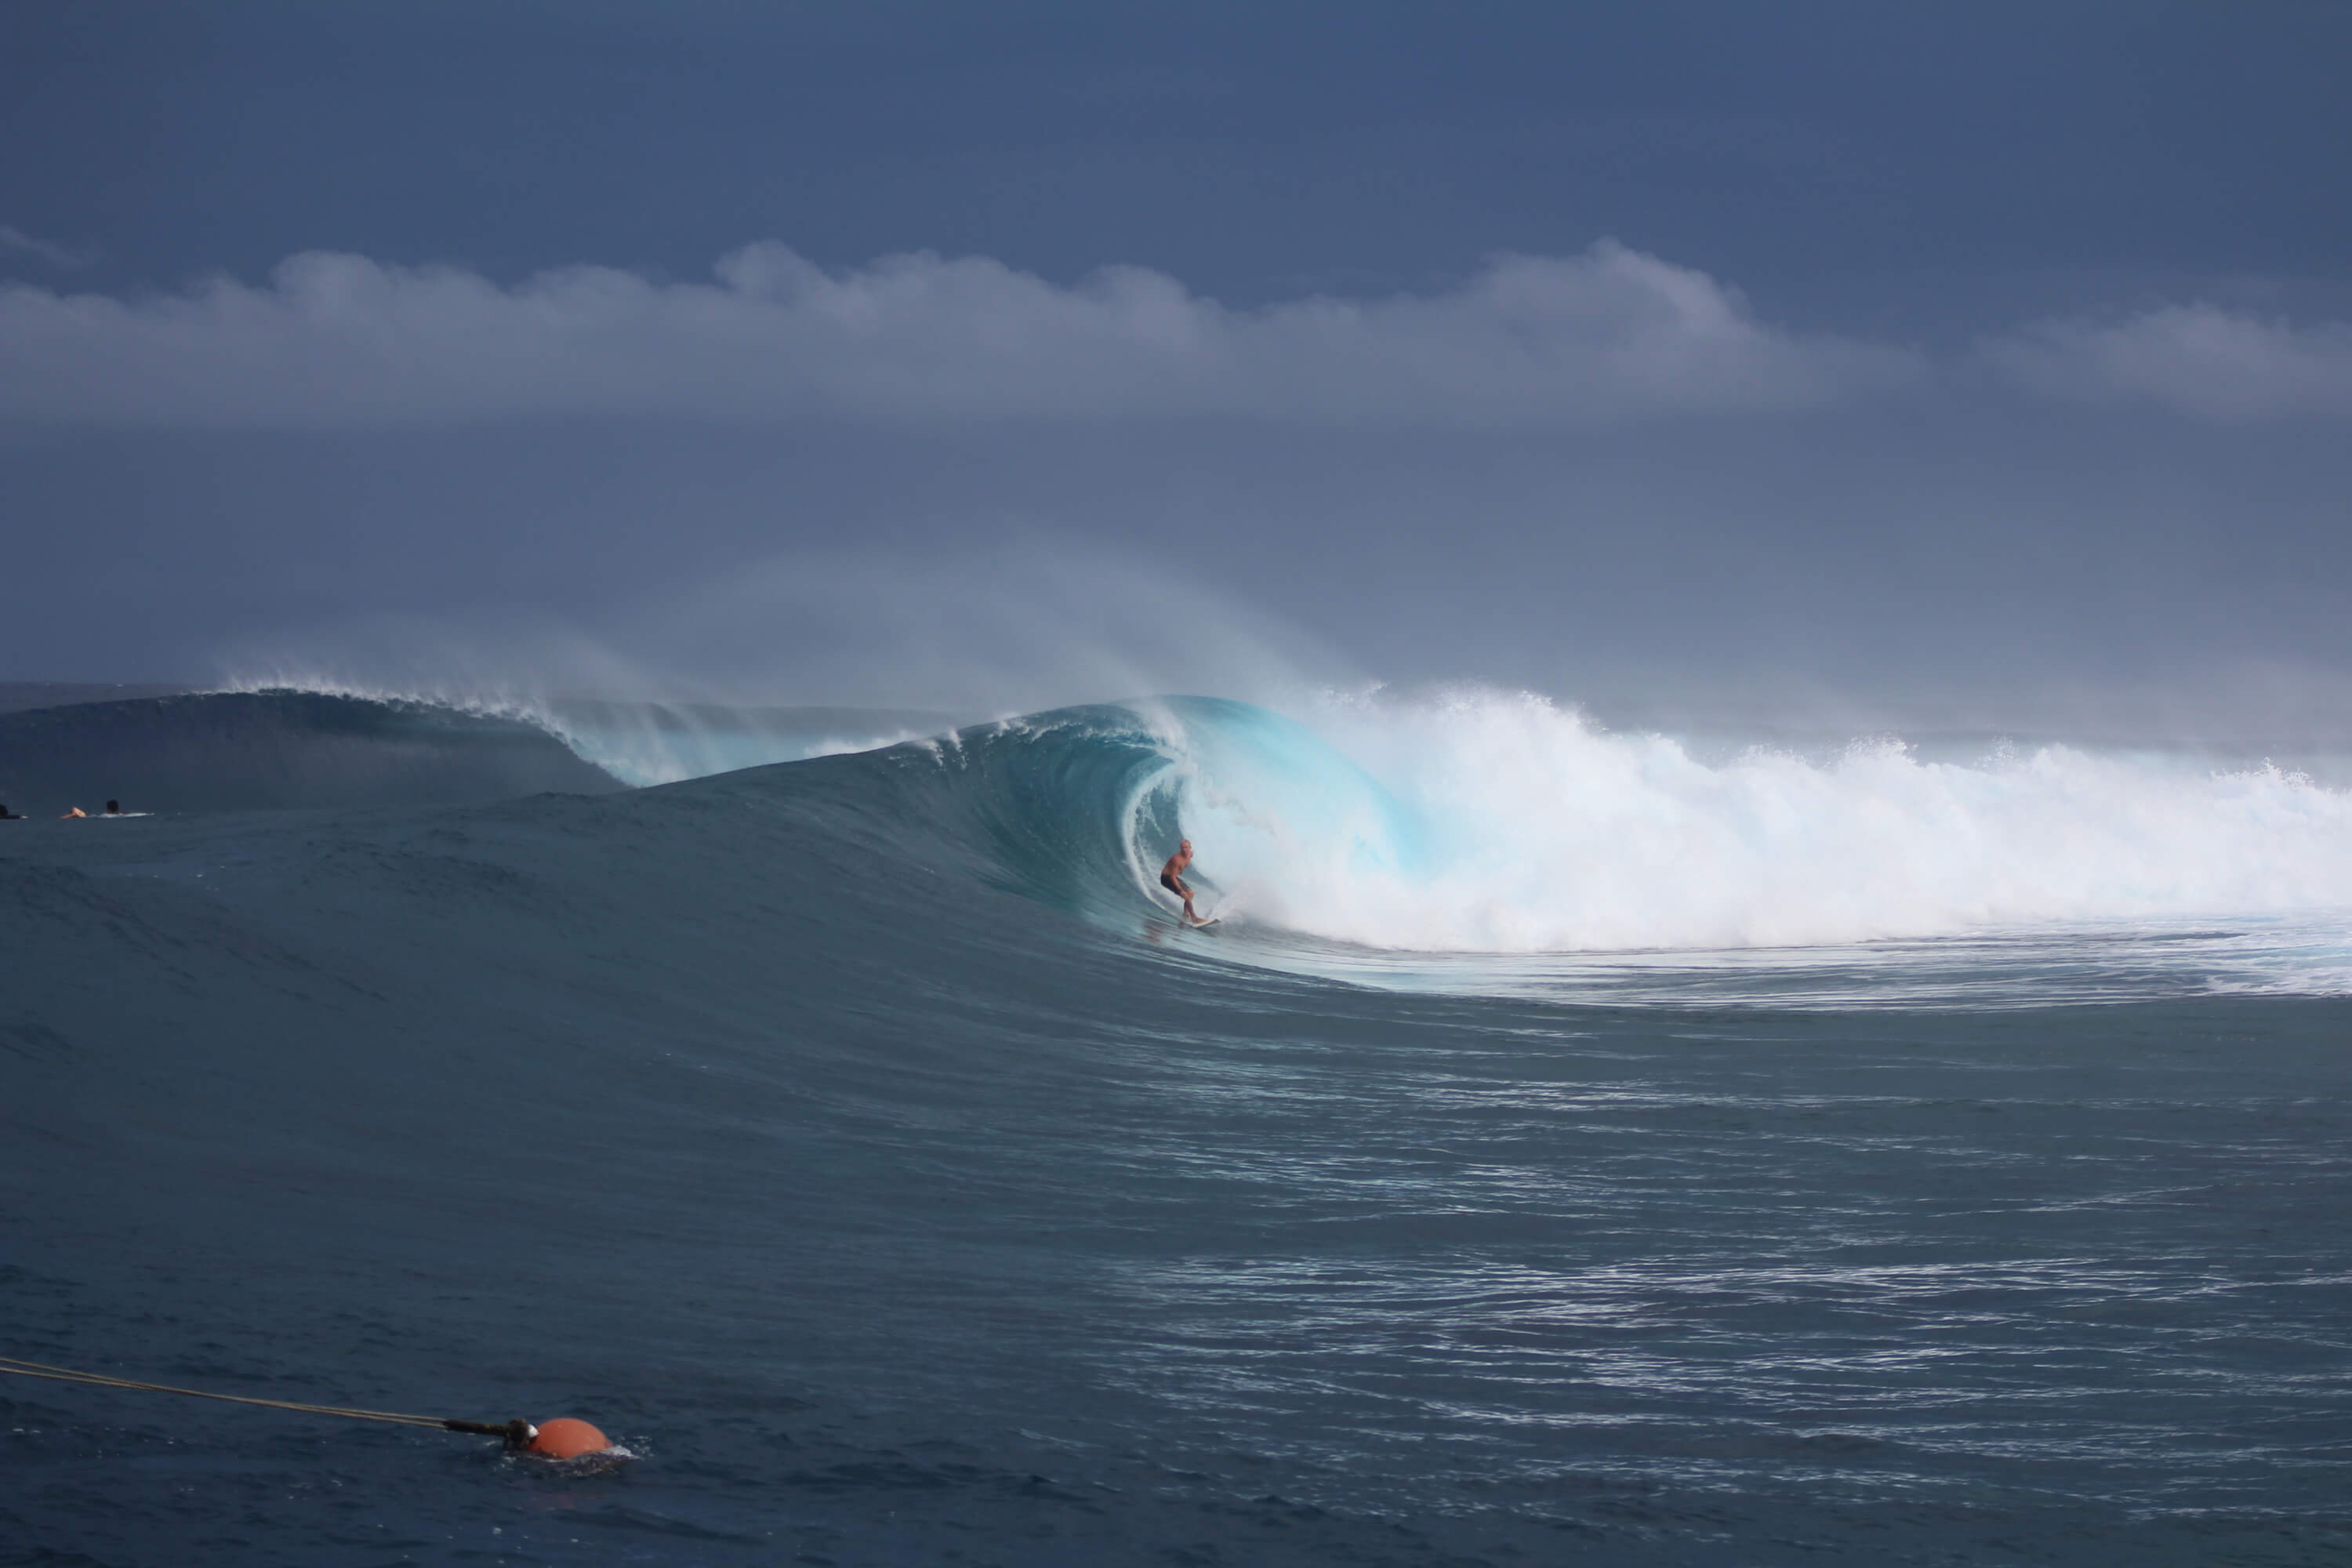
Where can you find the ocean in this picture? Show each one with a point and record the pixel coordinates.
(1572, 1146)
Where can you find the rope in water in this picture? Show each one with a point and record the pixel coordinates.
(514, 1432)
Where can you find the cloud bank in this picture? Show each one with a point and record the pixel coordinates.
(1611, 336)
(342, 341)
(2194, 359)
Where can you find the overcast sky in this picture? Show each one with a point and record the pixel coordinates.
(1985, 357)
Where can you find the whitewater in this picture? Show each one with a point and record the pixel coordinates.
(1572, 1144)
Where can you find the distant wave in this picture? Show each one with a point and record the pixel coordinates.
(642, 742)
(336, 746)
(261, 750)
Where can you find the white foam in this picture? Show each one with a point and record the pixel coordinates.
(1487, 821)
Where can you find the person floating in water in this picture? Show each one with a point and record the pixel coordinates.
(71, 812)
(114, 809)
(1171, 877)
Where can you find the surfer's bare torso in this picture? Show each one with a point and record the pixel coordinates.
(1172, 879)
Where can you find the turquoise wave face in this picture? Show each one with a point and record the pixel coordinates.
(1280, 803)
(1055, 804)
(1079, 807)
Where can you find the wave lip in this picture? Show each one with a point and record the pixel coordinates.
(663, 742)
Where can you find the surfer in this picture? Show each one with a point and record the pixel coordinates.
(8, 815)
(114, 809)
(1172, 879)
(72, 811)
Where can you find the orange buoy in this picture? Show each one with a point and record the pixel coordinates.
(565, 1438)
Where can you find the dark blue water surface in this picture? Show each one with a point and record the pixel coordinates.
(855, 1140)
